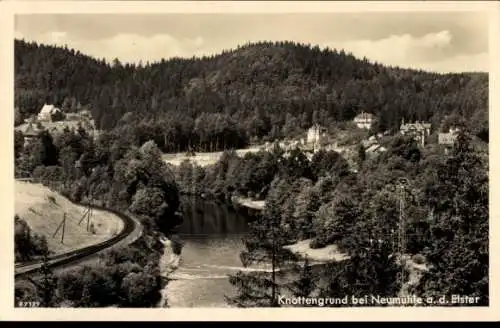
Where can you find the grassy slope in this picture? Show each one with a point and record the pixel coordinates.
(43, 216)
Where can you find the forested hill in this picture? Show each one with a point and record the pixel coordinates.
(259, 90)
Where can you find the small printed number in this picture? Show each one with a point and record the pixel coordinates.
(28, 304)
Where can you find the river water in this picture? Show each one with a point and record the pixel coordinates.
(213, 239)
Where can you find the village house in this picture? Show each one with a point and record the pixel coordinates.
(418, 130)
(30, 133)
(49, 113)
(448, 139)
(364, 120)
(314, 135)
(372, 147)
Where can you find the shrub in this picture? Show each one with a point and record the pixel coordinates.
(418, 259)
(140, 290)
(27, 244)
(317, 242)
(25, 291)
(177, 244)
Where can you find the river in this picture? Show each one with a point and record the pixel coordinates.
(213, 239)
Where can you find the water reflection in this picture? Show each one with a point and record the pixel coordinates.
(209, 218)
(212, 234)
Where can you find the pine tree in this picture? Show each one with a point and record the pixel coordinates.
(264, 244)
(306, 282)
(459, 247)
(361, 155)
(48, 283)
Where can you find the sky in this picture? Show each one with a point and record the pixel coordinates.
(434, 41)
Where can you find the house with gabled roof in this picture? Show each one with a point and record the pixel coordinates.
(30, 132)
(48, 112)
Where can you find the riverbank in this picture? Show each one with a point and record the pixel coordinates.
(169, 262)
(248, 202)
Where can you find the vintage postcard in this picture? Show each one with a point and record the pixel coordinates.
(200, 160)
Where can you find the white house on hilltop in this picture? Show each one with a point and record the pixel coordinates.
(47, 112)
(364, 120)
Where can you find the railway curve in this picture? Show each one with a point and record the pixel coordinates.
(131, 231)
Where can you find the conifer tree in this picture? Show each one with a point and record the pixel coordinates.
(306, 282)
(458, 251)
(48, 283)
(264, 244)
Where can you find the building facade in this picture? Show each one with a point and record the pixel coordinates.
(48, 112)
(364, 120)
(418, 130)
(448, 138)
(314, 135)
(30, 133)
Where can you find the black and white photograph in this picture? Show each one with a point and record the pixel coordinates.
(251, 160)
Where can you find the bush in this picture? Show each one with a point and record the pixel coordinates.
(48, 174)
(25, 291)
(27, 244)
(317, 242)
(418, 259)
(57, 116)
(140, 290)
(176, 244)
(70, 285)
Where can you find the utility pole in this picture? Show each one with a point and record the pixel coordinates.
(402, 227)
(63, 226)
(84, 215)
(88, 211)
(273, 264)
(88, 218)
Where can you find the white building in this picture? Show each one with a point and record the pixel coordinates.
(314, 135)
(418, 130)
(364, 120)
(448, 138)
(47, 112)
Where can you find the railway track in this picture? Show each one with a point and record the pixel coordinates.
(132, 228)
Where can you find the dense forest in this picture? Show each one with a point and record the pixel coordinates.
(445, 209)
(109, 172)
(255, 93)
(259, 91)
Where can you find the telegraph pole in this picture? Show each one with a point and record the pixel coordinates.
(402, 227)
(84, 215)
(88, 219)
(88, 211)
(63, 226)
